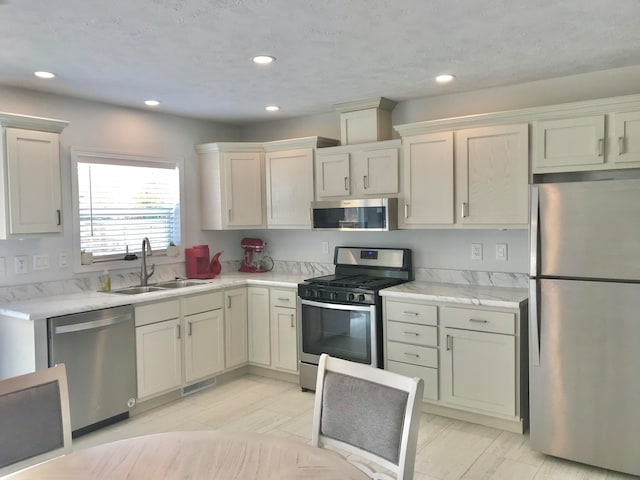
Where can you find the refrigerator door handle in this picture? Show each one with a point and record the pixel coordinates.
(534, 329)
(533, 231)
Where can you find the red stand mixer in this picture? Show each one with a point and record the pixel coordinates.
(254, 258)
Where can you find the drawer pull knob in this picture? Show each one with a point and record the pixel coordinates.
(415, 355)
(415, 334)
(478, 320)
(415, 314)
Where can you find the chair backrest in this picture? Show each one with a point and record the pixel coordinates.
(34, 418)
(369, 412)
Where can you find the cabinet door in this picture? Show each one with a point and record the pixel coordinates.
(259, 326)
(624, 144)
(284, 346)
(492, 171)
(568, 144)
(427, 186)
(332, 175)
(289, 188)
(478, 371)
(203, 344)
(158, 356)
(33, 179)
(375, 172)
(243, 184)
(235, 327)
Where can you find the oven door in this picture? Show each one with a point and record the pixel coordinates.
(342, 331)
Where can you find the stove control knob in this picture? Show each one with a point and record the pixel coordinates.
(361, 297)
(333, 296)
(351, 297)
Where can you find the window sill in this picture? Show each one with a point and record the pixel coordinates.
(101, 265)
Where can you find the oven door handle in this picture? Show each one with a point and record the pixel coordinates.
(335, 306)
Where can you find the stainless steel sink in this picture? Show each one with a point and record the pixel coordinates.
(138, 289)
(177, 284)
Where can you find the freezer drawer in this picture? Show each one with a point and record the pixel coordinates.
(585, 386)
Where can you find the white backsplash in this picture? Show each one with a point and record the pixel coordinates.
(312, 269)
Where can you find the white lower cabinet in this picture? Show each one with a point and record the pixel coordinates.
(158, 348)
(470, 359)
(203, 336)
(235, 327)
(273, 328)
(172, 334)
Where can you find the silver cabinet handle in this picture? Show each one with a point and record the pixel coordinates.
(415, 334)
(190, 332)
(179, 332)
(478, 320)
(464, 210)
(292, 325)
(346, 183)
(406, 210)
(59, 212)
(600, 147)
(620, 145)
(414, 314)
(365, 181)
(280, 299)
(229, 215)
(414, 355)
(449, 342)
(228, 302)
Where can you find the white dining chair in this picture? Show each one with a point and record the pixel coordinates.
(34, 418)
(368, 412)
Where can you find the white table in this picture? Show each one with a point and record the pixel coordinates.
(199, 455)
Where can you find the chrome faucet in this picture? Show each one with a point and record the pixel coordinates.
(144, 275)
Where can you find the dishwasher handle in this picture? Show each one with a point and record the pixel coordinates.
(92, 325)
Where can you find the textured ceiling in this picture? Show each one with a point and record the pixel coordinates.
(195, 55)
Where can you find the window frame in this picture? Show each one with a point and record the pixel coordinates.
(80, 155)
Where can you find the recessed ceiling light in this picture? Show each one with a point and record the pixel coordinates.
(152, 103)
(44, 74)
(445, 78)
(272, 108)
(264, 59)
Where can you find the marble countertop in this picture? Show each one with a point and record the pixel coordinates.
(463, 294)
(65, 304)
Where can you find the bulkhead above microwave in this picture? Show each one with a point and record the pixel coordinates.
(375, 214)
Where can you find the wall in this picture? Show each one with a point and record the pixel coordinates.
(106, 127)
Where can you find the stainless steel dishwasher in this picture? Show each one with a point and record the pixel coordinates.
(99, 351)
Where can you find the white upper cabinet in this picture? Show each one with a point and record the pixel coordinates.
(605, 141)
(231, 185)
(358, 171)
(492, 175)
(427, 192)
(289, 180)
(30, 189)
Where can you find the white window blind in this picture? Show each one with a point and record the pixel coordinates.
(122, 202)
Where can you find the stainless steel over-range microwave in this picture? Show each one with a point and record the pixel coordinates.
(373, 214)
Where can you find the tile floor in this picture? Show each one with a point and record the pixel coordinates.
(447, 449)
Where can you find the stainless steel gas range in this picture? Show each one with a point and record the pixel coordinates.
(341, 314)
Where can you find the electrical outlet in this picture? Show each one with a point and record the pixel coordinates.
(324, 246)
(21, 264)
(3, 268)
(501, 251)
(476, 251)
(63, 260)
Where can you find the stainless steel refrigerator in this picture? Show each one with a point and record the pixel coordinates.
(584, 322)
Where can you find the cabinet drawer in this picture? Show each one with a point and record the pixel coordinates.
(411, 333)
(401, 352)
(202, 303)
(412, 313)
(480, 320)
(283, 298)
(428, 375)
(157, 312)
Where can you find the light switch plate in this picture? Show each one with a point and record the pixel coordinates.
(324, 246)
(501, 251)
(3, 267)
(41, 262)
(476, 251)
